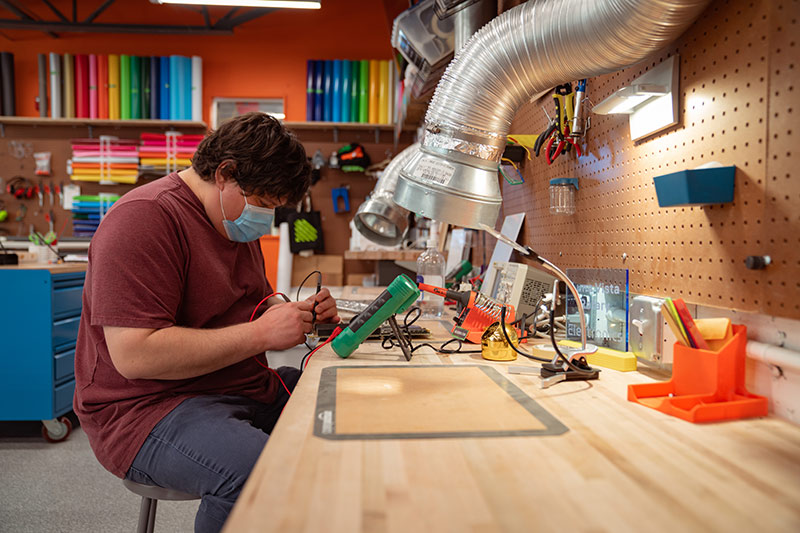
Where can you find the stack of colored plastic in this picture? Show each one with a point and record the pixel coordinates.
(104, 160)
(341, 90)
(119, 86)
(164, 153)
(88, 211)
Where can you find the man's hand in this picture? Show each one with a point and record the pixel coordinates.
(285, 325)
(326, 306)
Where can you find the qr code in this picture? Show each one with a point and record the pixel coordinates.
(434, 171)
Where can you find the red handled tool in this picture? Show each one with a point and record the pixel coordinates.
(478, 312)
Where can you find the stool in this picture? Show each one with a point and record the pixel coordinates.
(150, 495)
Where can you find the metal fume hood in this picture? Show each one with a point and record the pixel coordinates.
(527, 49)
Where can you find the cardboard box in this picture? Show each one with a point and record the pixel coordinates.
(358, 279)
(331, 266)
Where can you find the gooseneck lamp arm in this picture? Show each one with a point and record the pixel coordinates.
(563, 277)
(547, 265)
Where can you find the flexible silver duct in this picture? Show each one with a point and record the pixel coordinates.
(527, 49)
(379, 219)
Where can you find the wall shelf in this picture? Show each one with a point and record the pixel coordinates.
(96, 123)
(382, 255)
(336, 127)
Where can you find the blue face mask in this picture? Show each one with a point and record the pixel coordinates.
(251, 224)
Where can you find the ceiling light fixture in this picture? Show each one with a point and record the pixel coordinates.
(290, 4)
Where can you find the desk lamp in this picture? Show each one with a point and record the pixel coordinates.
(526, 251)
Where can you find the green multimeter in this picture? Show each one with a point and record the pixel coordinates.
(398, 297)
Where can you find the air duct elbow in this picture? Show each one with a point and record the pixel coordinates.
(379, 218)
(528, 49)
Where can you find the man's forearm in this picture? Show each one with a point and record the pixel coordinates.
(180, 353)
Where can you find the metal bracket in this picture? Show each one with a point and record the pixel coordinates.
(402, 340)
(645, 327)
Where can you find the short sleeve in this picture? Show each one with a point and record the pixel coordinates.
(137, 267)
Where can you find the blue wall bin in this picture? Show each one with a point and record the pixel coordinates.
(696, 187)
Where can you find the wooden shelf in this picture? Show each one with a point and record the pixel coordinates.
(38, 121)
(383, 255)
(334, 128)
(92, 123)
(319, 125)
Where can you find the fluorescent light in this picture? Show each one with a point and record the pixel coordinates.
(290, 4)
(625, 105)
(627, 99)
(650, 101)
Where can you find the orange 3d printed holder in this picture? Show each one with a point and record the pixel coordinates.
(706, 385)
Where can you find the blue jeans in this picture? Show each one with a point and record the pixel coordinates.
(207, 446)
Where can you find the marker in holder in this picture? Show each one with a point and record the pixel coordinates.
(706, 386)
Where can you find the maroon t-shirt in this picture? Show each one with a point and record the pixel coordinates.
(156, 261)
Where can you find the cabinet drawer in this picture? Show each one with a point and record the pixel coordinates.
(67, 300)
(64, 365)
(62, 399)
(65, 332)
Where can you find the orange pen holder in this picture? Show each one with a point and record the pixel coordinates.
(706, 386)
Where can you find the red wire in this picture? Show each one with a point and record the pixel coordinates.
(333, 336)
(264, 300)
(265, 355)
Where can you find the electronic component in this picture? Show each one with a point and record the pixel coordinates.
(351, 306)
(323, 331)
(517, 285)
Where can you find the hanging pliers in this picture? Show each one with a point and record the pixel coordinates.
(544, 136)
(564, 144)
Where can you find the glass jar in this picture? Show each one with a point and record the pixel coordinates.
(562, 196)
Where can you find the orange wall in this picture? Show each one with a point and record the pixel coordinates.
(264, 58)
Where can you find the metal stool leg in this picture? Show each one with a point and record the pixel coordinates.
(144, 515)
(151, 521)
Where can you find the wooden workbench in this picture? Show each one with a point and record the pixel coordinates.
(59, 268)
(620, 467)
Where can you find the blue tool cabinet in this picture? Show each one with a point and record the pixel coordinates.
(39, 317)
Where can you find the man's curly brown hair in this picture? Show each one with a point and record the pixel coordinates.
(265, 159)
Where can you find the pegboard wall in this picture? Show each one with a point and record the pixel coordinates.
(18, 143)
(738, 103)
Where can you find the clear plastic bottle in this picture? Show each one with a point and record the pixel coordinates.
(430, 270)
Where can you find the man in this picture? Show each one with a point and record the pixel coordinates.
(169, 386)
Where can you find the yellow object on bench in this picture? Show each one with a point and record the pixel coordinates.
(607, 358)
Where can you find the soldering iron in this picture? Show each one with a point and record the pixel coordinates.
(478, 312)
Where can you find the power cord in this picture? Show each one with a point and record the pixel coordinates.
(508, 339)
(297, 298)
(563, 357)
(252, 316)
(319, 282)
(410, 317)
(307, 357)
